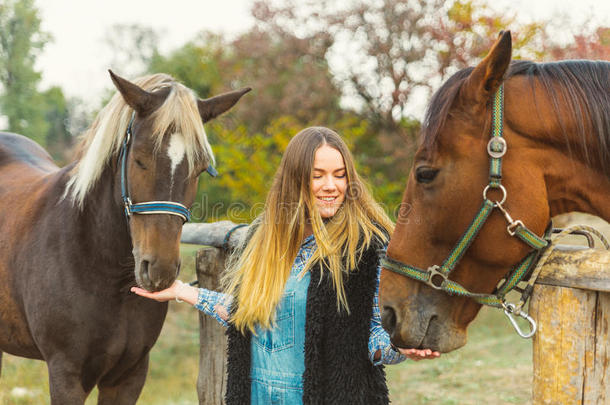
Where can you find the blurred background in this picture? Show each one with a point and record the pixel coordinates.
(365, 68)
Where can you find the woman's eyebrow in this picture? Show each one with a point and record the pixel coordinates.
(324, 170)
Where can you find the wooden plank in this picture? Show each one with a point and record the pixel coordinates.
(566, 332)
(212, 380)
(213, 234)
(597, 381)
(588, 269)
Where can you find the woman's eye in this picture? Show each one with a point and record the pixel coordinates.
(140, 164)
(425, 174)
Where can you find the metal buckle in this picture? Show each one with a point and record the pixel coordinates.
(128, 204)
(496, 140)
(509, 310)
(433, 273)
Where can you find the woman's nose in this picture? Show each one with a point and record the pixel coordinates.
(329, 185)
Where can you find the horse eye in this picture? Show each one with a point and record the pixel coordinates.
(425, 174)
(140, 164)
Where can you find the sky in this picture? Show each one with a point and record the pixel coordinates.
(78, 58)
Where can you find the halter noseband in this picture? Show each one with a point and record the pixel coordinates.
(437, 276)
(151, 207)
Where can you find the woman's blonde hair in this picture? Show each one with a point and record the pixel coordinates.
(257, 274)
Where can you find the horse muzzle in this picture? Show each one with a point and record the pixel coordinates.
(155, 274)
(421, 327)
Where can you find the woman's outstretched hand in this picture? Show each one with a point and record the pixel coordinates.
(178, 291)
(417, 354)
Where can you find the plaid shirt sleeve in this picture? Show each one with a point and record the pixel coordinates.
(207, 301)
(379, 338)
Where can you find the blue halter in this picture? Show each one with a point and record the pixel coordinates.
(151, 207)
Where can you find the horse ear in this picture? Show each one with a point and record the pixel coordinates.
(488, 75)
(214, 106)
(140, 100)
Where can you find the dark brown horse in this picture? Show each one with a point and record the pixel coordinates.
(557, 159)
(69, 253)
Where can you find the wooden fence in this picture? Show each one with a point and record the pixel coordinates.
(570, 303)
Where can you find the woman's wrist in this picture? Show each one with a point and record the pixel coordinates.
(178, 290)
(185, 293)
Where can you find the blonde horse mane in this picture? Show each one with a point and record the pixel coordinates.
(102, 141)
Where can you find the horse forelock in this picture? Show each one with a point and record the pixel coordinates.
(439, 107)
(102, 141)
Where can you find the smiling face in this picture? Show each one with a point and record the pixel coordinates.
(329, 180)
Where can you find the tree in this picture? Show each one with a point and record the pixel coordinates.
(58, 139)
(292, 89)
(195, 64)
(388, 55)
(133, 47)
(359, 67)
(592, 43)
(21, 40)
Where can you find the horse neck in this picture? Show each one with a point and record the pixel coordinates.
(575, 180)
(102, 224)
(574, 185)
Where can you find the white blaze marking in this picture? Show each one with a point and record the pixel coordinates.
(176, 151)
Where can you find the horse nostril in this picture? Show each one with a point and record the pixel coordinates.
(144, 267)
(388, 319)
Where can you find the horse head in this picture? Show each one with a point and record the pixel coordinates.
(544, 173)
(163, 153)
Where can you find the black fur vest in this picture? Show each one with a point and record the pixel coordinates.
(337, 366)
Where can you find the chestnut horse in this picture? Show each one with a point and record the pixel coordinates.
(555, 158)
(71, 245)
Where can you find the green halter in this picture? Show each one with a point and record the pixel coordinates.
(437, 276)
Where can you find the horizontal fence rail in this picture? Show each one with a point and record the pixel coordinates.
(213, 234)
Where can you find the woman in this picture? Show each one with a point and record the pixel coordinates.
(304, 325)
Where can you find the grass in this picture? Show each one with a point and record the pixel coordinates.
(495, 366)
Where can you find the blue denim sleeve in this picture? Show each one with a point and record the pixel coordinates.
(379, 338)
(207, 301)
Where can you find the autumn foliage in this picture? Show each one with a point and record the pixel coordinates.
(365, 68)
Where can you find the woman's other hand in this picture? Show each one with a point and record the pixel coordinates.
(417, 354)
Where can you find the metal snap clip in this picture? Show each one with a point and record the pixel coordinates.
(509, 310)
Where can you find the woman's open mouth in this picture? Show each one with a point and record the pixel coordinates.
(327, 200)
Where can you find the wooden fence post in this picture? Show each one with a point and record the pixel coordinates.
(212, 380)
(571, 350)
(220, 238)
